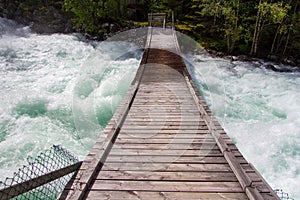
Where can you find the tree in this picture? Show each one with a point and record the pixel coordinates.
(211, 8)
(230, 12)
(285, 28)
(293, 27)
(89, 14)
(267, 13)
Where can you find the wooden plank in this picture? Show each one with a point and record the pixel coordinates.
(167, 106)
(179, 133)
(175, 159)
(169, 151)
(178, 105)
(165, 86)
(165, 115)
(130, 122)
(166, 167)
(162, 121)
(138, 195)
(181, 146)
(169, 112)
(192, 146)
(165, 151)
(175, 176)
(174, 113)
(163, 159)
(203, 136)
(173, 140)
(162, 131)
(164, 101)
(165, 127)
(140, 126)
(160, 186)
(178, 119)
(162, 95)
(157, 96)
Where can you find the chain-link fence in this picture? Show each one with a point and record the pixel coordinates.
(282, 195)
(49, 167)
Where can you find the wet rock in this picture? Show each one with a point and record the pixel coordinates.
(229, 58)
(242, 58)
(212, 52)
(220, 54)
(289, 61)
(275, 69)
(270, 67)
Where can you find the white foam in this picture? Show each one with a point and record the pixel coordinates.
(259, 109)
(38, 74)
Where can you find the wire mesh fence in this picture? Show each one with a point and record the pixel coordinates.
(283, 195)
(49, 161)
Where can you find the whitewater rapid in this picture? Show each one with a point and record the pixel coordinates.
(39, 82)
(259, 109)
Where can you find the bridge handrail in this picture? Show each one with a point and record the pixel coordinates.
(173, 23)
(162, 16)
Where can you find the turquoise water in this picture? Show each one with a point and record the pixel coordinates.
(53, 86)
(39, 85)
(259, 109)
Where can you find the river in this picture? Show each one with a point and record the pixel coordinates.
(39, 83)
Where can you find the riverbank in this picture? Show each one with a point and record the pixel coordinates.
(286, 65)
(52, 18)
(43, 19)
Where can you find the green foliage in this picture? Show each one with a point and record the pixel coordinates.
(258, 27)
(182, 27)
(267, 26)
(274, 12)
(89, 15)
(86, 13)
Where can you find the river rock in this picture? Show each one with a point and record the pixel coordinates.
(289, 61)
(41, 20)
(273, 68)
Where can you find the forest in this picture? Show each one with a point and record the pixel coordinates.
(258, 28)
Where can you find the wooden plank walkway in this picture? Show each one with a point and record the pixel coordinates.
(163, 142)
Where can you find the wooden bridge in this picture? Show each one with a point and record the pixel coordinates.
(163, 142)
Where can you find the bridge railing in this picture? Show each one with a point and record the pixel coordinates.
(160, 20)
(157, 19)
(43, 178)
